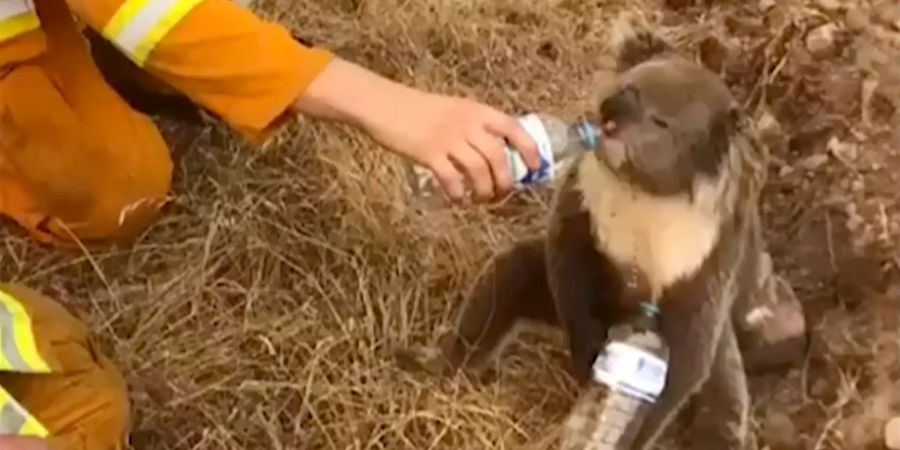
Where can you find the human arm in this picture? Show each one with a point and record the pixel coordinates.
(250, 72)
(20, 443)
(437, 131)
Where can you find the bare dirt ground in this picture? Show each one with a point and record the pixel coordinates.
(261, 312)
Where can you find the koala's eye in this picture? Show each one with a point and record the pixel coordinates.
(622, 105)
(659, 122)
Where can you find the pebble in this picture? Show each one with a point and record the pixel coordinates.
(843, 150)
(819, 388)
(780, 430)
(813, 162)
(892, 434)
(770, 130)
(829, 5)
(854, 222)
(821, 40)
(857, 18)
(785, 170)
(887, 13)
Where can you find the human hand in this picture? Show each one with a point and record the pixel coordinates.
(457, 139)
(454, 137)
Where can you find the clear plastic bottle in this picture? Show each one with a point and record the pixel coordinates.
(630, 374)
(558, 143)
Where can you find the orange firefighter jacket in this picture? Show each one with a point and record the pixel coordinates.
(76, 162)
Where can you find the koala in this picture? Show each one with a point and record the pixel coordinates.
(665, 210)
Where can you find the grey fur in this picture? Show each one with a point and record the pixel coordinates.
(568, 279)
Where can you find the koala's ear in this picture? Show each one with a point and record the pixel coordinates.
(634, 42)
(713, 54)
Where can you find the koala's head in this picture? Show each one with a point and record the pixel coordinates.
(667, 124)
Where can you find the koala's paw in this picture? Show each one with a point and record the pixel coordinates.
(778, 324)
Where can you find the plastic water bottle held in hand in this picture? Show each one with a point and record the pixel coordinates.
(631, 373)
(558, 143)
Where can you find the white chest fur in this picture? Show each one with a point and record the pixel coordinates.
(667, 238)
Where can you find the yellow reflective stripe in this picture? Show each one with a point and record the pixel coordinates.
(17, 17)
(16, 420)
(158, 32)
(123, 16)
(17, 341)
(33, 428)
(139, 25)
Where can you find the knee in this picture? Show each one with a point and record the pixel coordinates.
(113, 422)
(101, 419)
(110, 168)
(128, 200)
(113, 216)
(119, 206)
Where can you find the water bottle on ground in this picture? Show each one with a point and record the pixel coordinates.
(630, 374)
(558, 143)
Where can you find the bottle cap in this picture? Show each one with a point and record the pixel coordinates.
(587, 132)
(650, 309)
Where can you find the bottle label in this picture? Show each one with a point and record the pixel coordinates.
(522, 175)
(632, 370)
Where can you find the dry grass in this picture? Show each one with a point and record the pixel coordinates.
(260, 313)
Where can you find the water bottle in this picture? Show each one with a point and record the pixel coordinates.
(629, 375)
(558, 143)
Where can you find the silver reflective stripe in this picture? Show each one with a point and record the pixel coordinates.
(12, 417)
(8, 341)
(142, 23)
(139, 25)
(12, 8)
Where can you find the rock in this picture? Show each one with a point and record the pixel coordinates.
(821, 40)
(819, 388)
(829, 5)
(785, 170)
(770, 132)
(842, 150)
(892, 434)
(813, 162)
(854, 223)
(779, 430)
(887, 13)
(857, 18)
(765, 5)
(840, 88)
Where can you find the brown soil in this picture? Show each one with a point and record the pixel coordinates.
(261, 312)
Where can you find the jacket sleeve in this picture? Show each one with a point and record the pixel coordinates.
(217, 52)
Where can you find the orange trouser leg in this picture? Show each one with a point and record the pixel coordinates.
(84, 403)
(76, 162)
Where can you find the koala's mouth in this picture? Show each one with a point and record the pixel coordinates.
(612, 151)
(638, 167)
